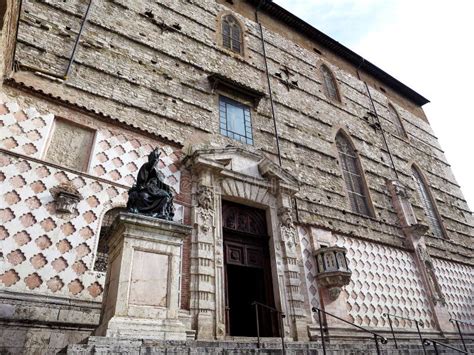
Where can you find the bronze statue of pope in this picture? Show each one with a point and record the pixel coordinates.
(150, 196)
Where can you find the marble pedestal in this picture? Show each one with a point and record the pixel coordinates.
(141, 298)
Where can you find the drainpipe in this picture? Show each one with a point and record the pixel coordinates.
(73, 54)
(378, 119)
(268, 83)
(76, 44)
(16, 34)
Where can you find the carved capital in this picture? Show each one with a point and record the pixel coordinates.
(418, 230)
(286, 218)
(399, 189)
(205, 197)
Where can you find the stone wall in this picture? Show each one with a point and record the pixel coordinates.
(140, 79)
(146, 64)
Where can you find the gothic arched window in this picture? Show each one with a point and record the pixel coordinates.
(102, 257)
(396, 120)
(231, 34)
(329, 84)
(428, 203)
(352, 173)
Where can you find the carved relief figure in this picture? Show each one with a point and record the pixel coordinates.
(150, 195)
(205, 197)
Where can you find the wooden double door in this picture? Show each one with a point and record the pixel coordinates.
(248, 276)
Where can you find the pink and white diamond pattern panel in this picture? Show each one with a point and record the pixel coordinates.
(117, 157)
(457, 283)
(309, 268)
(384, 280)
(23, 131)
(43, 251)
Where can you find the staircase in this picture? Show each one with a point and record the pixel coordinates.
(268, 346)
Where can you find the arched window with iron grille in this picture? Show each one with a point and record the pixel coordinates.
(232, 34)
(428, 203)
(396, 120)
(356, 188)
(329, 84)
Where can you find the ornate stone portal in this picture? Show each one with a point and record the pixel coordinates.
(240, 176)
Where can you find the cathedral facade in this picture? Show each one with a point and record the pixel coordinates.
(310, 178)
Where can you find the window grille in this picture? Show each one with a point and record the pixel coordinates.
(352, 173)
(397, 122)
(329, 83)
(231, 34)
(235, 120)
(428, 204)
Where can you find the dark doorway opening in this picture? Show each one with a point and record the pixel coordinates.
(247, 272)
(245, 287)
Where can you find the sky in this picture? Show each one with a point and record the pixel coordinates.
(426, 44)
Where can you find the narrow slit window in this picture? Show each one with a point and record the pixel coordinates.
(396, 120)
(428, 204)
(352, 174)
(231, 34)
(329, 84)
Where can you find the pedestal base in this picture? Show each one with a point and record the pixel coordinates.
(160, 329)
(141, 298)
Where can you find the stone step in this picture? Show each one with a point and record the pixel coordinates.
(272, 346)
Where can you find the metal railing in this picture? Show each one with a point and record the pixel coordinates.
(457, 321)
(436, 343)
(383, 340)
(281, 316)
(417, 323)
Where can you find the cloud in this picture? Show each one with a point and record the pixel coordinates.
(337, 16)
(425, 44)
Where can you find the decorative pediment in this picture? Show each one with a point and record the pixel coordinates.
(242, 165)
(224, 83)
(270, 170)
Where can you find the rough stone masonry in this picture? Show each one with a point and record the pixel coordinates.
(143, 76)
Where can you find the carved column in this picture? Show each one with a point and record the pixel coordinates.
(415, 236)
(203, 303)
(288, 242)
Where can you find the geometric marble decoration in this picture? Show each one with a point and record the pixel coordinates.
(53, 253)
(56, 250)
(310, 269)
(384, 280)
(118, 156)
(457, 283)
(23, 131)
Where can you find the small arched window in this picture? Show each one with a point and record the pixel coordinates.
(231, 34)
(102, 257)
(329, 84)
(428, 203)
(352, 173)
(396, 120)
